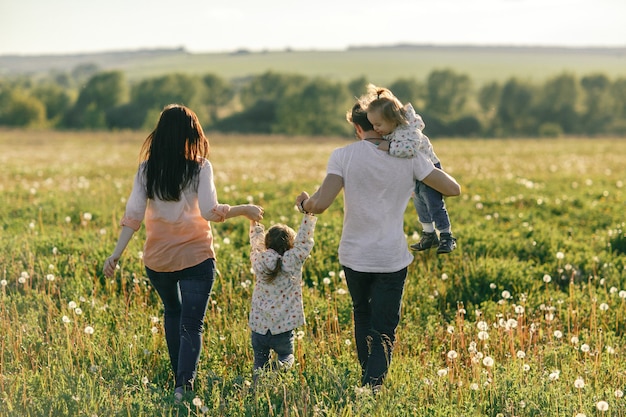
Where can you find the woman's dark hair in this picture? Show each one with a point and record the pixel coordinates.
(280, 238)
(173, 152)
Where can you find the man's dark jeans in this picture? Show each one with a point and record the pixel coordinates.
(376, 300)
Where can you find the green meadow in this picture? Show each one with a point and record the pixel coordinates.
(526, 318)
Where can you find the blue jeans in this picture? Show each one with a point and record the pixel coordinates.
(430, 205)
(376, 301)
(281, 343)
(185, 295)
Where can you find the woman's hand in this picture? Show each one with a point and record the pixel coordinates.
(303, 196)
(254, 213)
(110, 264)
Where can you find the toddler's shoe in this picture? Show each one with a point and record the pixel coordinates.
(428, 240)
(447, 243)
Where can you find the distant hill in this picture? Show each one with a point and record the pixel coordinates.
(379, 64)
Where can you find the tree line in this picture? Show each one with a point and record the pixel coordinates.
(290, 104)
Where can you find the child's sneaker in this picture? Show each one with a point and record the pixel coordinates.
(428, 240)
(447, 243)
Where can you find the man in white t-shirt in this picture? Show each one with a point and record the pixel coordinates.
(373, 249)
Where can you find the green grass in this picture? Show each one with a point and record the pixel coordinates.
(541, 261)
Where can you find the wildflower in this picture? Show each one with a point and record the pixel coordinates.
(452, 355)
(558, 334)
(347, 342)
(483, 335)
(444, 276)
(604, 306)
(519, 309)
(511, 324)
(482, 325)
(521, 354)
(622, 294)
(560, 255)
(442, 372)
(331, 274)
(574, 340)
(579, 383)
(450, 329)
(554, 375)
(341, 291)
(602, 405)
(65, 319)
(547, 278)
(50, 277)
(226, 241)
(78, 311)
(72, 305)
(474, 386)
(612, 290)
(145, 380)
(492, 286)
(299, 334)
(610, 350)
(154, 330)
(4, 282)
(87, 216)
(89, 330)
(526, 367)
(326, 281)
(154, 319)
(55, 251)
(506, 294)
(68, 219)
(585, 348)
(549, 316)
(619, 393)
(197, 402)
(488, 361)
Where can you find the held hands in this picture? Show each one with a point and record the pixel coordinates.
(254, 213)
(300, 199)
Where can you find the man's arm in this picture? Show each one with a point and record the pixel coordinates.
(442, 182)
(325, 195)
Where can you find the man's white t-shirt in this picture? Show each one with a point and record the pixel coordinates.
(377, 189)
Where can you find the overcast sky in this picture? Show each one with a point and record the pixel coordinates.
(31, 27)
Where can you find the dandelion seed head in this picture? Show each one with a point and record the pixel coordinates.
(547, 278)
(474, 386)
(622, 294)
(300, 334)
(326, 281)
(452, 355)
(78, 311)
(450, 329)
(3, 282)
(50, 277)
(579, 383)
(347, 342)
(197, 402)
(506, 294)
(521, 354)
(444, 276)
(482, 325)
(602, 405)
(482, 335)
(492, 286)
(519, 309)
(558, 334)
(574, 340)
(560, 255)
(145, 380)
(65, 319)
(585, 348)
(526, 367)
(488, 361)
(341, 291)
(604, 306)
(619, 393)
(442, 372)
(87, 216)
(154, 330)
(89, 330)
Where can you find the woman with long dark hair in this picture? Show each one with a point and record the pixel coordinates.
(174, 193)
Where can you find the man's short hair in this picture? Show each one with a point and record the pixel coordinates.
(358, 116)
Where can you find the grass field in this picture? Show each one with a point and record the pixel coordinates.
(526, 318)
